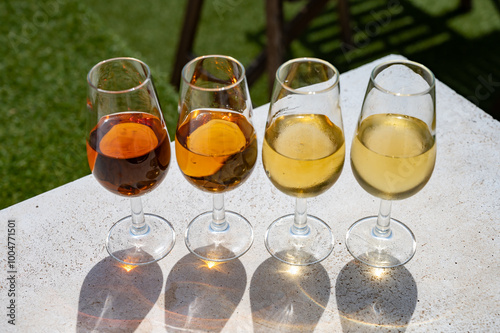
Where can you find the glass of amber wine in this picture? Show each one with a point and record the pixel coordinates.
(303, 155)
(216, 150)
(392, 157)
(128, 151)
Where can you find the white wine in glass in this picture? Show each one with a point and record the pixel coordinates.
(303, 155)
(400, 148)
(393, 155)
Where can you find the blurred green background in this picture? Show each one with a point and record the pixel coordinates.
(48, 46)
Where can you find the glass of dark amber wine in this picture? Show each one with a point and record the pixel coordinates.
(392, 157)
(216, 150)
(303, 155)
(128, 151)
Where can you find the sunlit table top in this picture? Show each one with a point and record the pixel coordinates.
(66, 282)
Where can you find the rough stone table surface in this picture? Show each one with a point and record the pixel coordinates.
(66, 282)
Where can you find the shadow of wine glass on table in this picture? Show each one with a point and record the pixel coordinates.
(286, 298)
(202, 295)
(116, 297)
(375, 299)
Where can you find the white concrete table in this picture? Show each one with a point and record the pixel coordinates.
(64, 280)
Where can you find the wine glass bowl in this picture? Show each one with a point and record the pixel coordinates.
(128, 151)
(216, 150)
(393, 155)
(125, 164)
(303, 155)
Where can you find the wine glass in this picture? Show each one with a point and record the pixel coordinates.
(216, 150)
(303, 155)
(128, 151)
(392, 157)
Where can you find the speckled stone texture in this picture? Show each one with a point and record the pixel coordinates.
(67, 283)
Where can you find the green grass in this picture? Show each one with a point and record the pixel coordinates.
(49, 46)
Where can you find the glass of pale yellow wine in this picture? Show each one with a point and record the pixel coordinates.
(392, 157)
(303, 155)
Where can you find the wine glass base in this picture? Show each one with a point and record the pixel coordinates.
(142, 249)
(299, 249)
(219, 246)
(381, 252)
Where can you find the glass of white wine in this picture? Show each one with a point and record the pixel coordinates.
(392, 157)
(303, 155)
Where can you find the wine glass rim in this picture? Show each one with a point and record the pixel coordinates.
(227, 87)
(389, 63)
(306, 92)
(142, 84)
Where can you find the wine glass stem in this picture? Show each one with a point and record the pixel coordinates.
(219, 222)
(300, 226)
(139, 226)
(383, 226)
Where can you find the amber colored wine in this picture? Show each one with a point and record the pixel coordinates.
(216, 149)
(303, 155)
(129, 153)
(393, 155)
